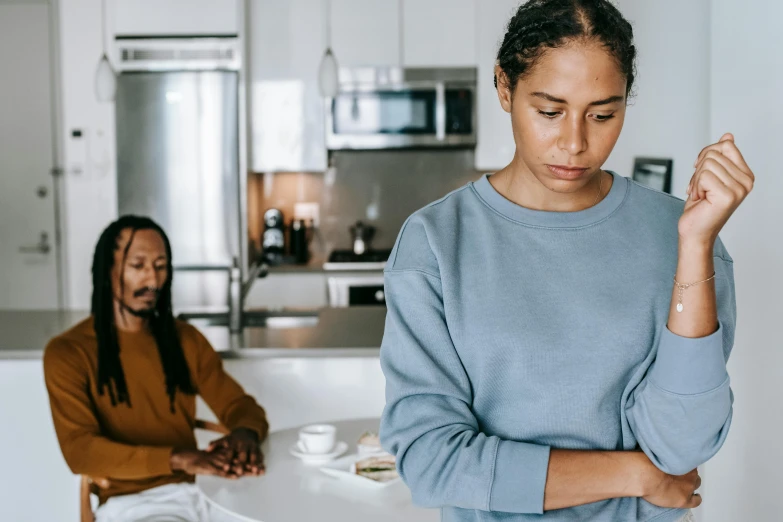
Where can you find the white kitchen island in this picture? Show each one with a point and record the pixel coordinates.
(296, 385)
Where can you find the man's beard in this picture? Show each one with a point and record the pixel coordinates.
(144, 313)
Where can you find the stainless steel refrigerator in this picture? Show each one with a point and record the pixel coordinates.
(178, 163)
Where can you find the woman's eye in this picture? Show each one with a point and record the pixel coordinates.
(599, 117)
(549, 115)
(160, 268)
(137, 267)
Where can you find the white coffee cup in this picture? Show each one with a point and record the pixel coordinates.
(317, 438)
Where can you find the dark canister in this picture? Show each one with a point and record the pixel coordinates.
(299, 241)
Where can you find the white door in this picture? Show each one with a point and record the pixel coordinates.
(28, 257)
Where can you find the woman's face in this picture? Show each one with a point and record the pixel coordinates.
(568, 111)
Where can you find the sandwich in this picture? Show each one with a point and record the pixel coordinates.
(381, 468)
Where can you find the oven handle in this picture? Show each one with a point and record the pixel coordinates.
(338, 288)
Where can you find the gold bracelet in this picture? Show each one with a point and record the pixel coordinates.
(682, 287)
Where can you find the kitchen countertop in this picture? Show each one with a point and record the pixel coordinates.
(340, 332)
(316, 264)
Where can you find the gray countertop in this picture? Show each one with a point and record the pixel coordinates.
(316, 264)
(340, 332)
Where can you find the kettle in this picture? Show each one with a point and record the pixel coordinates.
(362, 235)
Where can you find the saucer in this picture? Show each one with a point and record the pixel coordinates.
(318, 458)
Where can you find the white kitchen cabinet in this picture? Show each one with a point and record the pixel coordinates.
(495, 147)
(286, 43)
(32, 453)
(439, 33)
(175, 17)
(289, 290)
(366, 32)
(302, 390)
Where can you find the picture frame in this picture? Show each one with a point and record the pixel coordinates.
(655, 173)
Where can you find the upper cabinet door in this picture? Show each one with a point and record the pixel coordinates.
(439, 33)
(175, 17)
(366, 32)
(286, 42)
(495, 148)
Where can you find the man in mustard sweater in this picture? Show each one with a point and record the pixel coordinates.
(122, 387)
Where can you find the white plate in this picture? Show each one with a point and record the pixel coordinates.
(341, 468)
(320, 458)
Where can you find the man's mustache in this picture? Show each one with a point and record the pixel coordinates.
(147, 290)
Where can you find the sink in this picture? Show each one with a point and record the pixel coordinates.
(255, 318)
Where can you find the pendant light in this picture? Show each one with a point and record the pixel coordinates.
(327, 72)
(105, 79)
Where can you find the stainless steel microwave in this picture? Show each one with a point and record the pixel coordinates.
(393, 107)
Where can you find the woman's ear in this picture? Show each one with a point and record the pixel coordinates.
(504, 88)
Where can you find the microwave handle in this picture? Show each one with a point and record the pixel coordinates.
(440, 111)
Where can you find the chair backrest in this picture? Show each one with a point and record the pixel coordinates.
(92, 484)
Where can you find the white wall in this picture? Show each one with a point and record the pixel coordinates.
(89, 184)
(746, 78)
(669, 115)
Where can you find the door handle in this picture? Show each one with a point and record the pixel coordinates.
(43, 246)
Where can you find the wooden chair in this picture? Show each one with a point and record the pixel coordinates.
(91, 485)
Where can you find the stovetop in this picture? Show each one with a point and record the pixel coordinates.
(347, 256)
(347, 260)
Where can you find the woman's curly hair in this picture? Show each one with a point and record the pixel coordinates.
(540, 25)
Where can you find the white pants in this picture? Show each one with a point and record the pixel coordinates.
(177, 503)
(169, 503)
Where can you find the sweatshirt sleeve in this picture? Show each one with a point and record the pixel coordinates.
(681, 410)
(427, 422)
(85, 450)
(224, 396)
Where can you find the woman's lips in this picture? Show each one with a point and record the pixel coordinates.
(569, 173)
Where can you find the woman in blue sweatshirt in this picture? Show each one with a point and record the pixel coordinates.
(540, 361)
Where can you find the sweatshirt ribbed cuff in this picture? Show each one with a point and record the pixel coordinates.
(520, 477)
(689, 366)
(159, 461)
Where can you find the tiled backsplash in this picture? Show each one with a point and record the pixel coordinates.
(381, 188)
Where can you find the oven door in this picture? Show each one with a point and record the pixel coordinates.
(346, 290)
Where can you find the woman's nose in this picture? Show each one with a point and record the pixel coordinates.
(573, 139)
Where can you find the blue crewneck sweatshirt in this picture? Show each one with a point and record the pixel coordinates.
(512, 331)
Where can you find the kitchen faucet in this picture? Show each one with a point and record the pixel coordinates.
(238, 290)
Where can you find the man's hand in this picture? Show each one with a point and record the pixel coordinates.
(243, 451)
(196, 462)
